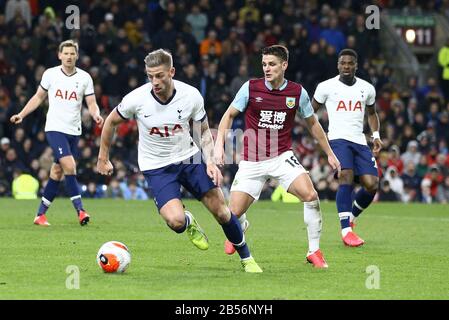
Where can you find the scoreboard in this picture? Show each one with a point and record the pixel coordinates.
(416, 30)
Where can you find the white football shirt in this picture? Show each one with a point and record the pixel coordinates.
(164, 129)
(65, 98)
(346, 107)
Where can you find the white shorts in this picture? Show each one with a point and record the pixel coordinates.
(251, 176)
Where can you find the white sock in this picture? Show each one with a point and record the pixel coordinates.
(345, 215)
(352, 217)
(313, 221)
(243, 221)
(345, 231)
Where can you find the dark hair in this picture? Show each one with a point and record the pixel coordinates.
(276, 50)
(348, 52)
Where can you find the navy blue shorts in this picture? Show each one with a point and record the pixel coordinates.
(357, 157)
(63, 144)
(165, 183)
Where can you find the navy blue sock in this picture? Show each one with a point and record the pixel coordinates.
(184, 227)
(234, 233)
(50, 192)
(344, 204)
(361, 201)
(74, 192)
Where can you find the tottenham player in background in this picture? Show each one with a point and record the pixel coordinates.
(346, 97)
(169, 158)
(65, 85)
(271, 105)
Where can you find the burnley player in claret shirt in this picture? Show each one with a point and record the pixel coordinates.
(270, 105)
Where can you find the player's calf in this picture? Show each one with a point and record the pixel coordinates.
(228, 245)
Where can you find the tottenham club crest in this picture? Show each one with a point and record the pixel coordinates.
(290, 102)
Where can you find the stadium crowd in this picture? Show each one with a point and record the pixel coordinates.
(216, 47)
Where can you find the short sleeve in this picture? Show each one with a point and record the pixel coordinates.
(240, 101)
(305, 109)
(198, 113)
(45, 81)
(371, 98)
(320, 95)
(126, 109)
(90, 86)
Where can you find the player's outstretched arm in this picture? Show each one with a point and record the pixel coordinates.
(207, 146)
(374, 124)
(94, 110)
(317, 132)
(225, 124)
(104, 166)
(31, 105)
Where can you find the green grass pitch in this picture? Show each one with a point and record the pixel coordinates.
(407, 244)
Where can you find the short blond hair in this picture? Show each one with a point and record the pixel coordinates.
(68, 43)
(159, 57)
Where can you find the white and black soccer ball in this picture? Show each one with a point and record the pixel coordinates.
(113, 256)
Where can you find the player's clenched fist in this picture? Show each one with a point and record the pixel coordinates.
(16, 119)
(105, 167)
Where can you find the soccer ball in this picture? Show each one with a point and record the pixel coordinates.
(113, 256)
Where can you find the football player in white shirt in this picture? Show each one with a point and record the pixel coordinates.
(66, 86)
(346, 97)
(169, 158)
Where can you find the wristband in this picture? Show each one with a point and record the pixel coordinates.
(376, 135)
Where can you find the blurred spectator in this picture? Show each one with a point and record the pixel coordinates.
(211, 45)
(132, 192)
(114, 190)
(412, 183)
(395, 181)
(92, 191)
(321, 170)
(16, 8)
(4, 146)
(333, 35)
(249, 13)
(198, 21)
(443, 191)
(385, 192)
(412, 154)
(394, 160)
(12, 163)
(238, 80)
(431, 181)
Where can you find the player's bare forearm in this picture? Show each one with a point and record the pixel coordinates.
(207, 142)
(31, 105)
(94, 110)
(225, 124)
(373, 118)
(373, 122)
(107, 134)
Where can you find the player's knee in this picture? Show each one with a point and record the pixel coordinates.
(238, 211)
(346, 177)
(312, 195)
(372, 186)
(177, 224)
